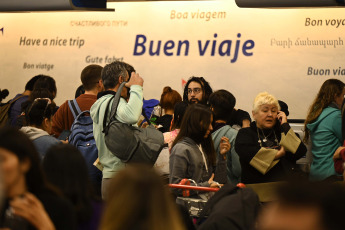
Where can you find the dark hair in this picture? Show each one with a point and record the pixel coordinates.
(90, 76)
(129, 69)
(3, 94)
(179, 111)
(20, 145)
(343, 120)
(284, 107)
(328, 91)
(30, 84)
(42, 85)
(327, 197)
(169, 98)
(38, 110)
(206, 89)
(222, 102)
(139, 200)
(66, 169)
(80, 90)
(195, 124)
(111, 74)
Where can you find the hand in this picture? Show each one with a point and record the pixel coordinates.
(281, 152)
(64, 141)
(214, 184)
(282, 117)
(31, 209)
(144, 125)
(135, 80)
(224, 145)
(337, 153)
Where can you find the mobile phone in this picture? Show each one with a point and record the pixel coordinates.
(64, 135)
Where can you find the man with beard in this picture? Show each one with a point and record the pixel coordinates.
(198, 90)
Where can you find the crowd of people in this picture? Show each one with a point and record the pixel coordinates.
(48, 184)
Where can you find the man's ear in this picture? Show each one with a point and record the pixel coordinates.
(120, 79)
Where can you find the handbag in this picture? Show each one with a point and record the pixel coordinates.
(129, 143)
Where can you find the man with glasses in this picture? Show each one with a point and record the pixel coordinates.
(197, 90)
(92, 82)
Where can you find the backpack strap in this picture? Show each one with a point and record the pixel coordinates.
(74, 107)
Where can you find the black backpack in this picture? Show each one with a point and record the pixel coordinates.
(230, 208)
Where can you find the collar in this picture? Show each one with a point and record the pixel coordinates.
(101, 94)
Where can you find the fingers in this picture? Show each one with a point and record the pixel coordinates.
(135, 80)
(211, 178)
(224, 145)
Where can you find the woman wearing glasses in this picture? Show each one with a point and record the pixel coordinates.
(269, 148)
(39, 117)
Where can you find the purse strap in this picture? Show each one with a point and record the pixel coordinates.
(116, 100)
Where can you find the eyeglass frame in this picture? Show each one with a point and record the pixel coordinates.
(194, 90)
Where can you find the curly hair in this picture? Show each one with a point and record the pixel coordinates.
(206, 89)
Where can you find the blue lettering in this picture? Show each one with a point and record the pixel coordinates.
(168, 46)
(157, 50)
(141, 45)
(249, 44)
(203, 50)
(236, 49)
(228, 48)
(180, 43)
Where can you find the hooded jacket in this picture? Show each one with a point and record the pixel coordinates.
(326, 137)
(41, 139)
(233, 160)
(127, 112)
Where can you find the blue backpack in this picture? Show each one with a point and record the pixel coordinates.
(82, 137)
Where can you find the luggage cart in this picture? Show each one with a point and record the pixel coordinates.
(194, 205)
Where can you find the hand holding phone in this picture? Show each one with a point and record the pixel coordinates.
(282, 117)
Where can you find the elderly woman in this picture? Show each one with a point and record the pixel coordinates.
(269, 148)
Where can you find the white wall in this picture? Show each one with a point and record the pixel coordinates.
(276, 63)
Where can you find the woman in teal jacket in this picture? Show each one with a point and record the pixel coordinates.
(323, 126)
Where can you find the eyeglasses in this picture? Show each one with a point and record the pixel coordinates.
(195, 91)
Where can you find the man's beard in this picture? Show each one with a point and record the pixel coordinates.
(194, 101)
(197, 101)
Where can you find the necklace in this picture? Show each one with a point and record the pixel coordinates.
(265, 137)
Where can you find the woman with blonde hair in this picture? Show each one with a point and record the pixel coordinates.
(323, 126)
(138, 200)
(269, 148)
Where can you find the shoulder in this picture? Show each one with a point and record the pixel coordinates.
(183, 146)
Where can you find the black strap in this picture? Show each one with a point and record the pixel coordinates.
(74, 107)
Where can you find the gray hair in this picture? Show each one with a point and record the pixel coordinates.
(263, 99)
(111, 74)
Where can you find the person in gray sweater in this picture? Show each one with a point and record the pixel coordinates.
(193, 154)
